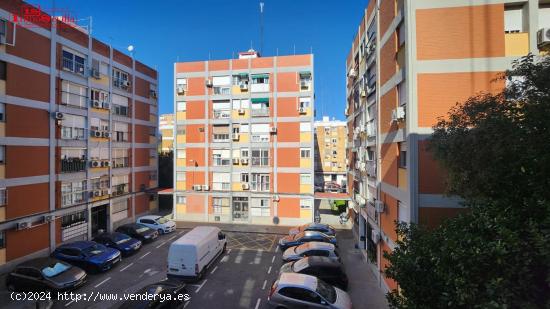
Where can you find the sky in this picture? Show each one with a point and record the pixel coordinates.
(166, 31)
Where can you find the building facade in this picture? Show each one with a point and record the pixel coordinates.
(78, 136)
(166, 127)
(330, 152)
(410, 62)
(244, 140)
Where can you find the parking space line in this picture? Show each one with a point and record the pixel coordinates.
(200, 287)
(269, 270)
(161, 244)
(146, 254)
(258, 303)
(273, 260)
(263, 285)
(172, 237)
(228, 251)
(124, 268)
(67, 304)
(97, 285)
(213, 270)
(186, 304)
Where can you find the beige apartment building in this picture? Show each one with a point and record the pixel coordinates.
(166, 128)
(409, 63)
(330, 151)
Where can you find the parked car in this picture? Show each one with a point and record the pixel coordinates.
(303, 237)
(158, 223)
(189, 256)
(138, 231)
(317, 227)
(156, 293)
(324, 268)
(45, 274)
(313, 248)
(88, 255)
(122, 242)
(303, 291)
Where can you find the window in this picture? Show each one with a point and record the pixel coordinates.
(260, 157)
(305, 179)
(514, 19)
(222, 109)
(120, 105)
(100, 96)
(402, 155)
(221, 181)
(260, 83)
(241, 103)
(260, 207)
(402, 93)
(240, 79)
(221, 84)
(181, 106)
(180, 130)
(73, 219)
(73, 159)
(305, 102)
(120, 184)
(121, 79)
(305, 153)
(240, 208)
(120, 157)
(221, 157)
(73, 192)
(73, 127)
(260, 107)
(180, 154)
(3, 75)
(2, 154)
(260, 132)
(334, 141)
(401, 34)
(220, 133)
(3, 196)
(260, 182)
(305, 81)
(305, 126)
(73, 94)
(121, 131)
(2, 240)
(180, 176)
(245, 177)
(244, 153)
(121, 208)
(73, 61)
(180, 199)
(97, 153)
(306, 203)
(220, 205)
(181, 85)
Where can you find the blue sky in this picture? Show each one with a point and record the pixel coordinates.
(165, 31)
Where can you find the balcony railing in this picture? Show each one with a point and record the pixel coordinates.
(73, 133)
(73, 99)
(72, 198)
(119, 189)
(222, 114)
(260, 138)
(220, 137)
(259, 161)
(120, 110)
(73, 165)
(259, 186)
(120, 162)
(221, 186)
(221, 161)
(260, 112)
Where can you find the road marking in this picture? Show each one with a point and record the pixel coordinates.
(181, 232)
(263, 286)
(161, 244)
(276, 247)
(273, 260)
(123, 269)
(67, 304)
(269, 270)
(213, 270)
(146, 254)
(172, 237)
(228, 251)
(224, 259)
(97, 285)
(258, 303)
(186, 304)
(200, 287)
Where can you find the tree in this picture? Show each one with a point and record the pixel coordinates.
(496, 150)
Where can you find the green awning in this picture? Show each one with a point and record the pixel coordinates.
(305, 73)
(260, 76)
(243, 74)
(259, 100)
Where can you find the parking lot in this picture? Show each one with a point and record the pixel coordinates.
(240, 278)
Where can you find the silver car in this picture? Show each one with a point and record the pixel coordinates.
(293, 290)
(313, 248)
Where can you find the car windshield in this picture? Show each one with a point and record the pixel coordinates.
(161, 220)
(54, 270)
(326, 291)
(120, 238)
(94, 249)
(300, 265)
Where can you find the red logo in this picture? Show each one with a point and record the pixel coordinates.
(32, 17)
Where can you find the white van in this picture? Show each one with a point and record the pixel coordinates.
(190, 255)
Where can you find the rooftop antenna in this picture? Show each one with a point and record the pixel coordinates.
(261, 27)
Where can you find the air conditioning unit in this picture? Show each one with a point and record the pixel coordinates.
(105, 192)
(97, 193)
(115, 193)
(363, 93)
(23, 225)
(205, 187)
(273, 130)
(276, 198)
(209, 83)
(244, 161)
(197, 187)
(246, 186)
(105, 105)
(180, 90)
(243, 87)
(235, 136)
(398, 114)
(352, 73)
(95, 74)
(126, 83)
(49, 218)
(104, 164)
(379, 206)
(59, 116)
(241, 111)
(153, 94)
(96, 133)
(302, 110)
(543, 37)
(235, 160)
(375, 236)
(96, 163)
(106, 134)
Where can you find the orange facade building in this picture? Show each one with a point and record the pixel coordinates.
(410, 62)
(78, 143)
(244, 140)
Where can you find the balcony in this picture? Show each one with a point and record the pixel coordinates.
(259, 186)
(221, 161)
(73, 165)
(259, 161)
(222, 114)
(73, 133)
(220, 138)
(70, 65)
(260, 112)
(120, 162)
(119, 189)
(221, 186)
(371, 168)
(72, 198)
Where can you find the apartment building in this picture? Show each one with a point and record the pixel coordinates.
(409, 63)
(166, 127)
(77, 136)
(330, 152)
(244, 140)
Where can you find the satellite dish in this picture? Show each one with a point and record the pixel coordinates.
(131, 48)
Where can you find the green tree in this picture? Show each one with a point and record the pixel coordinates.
(496, 150)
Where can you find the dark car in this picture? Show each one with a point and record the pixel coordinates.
(151, 296)
(317, 227)
(324, 268)
(303, 237)
(45, 274)
(88, 255)
(122, 242)
(138, 231)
